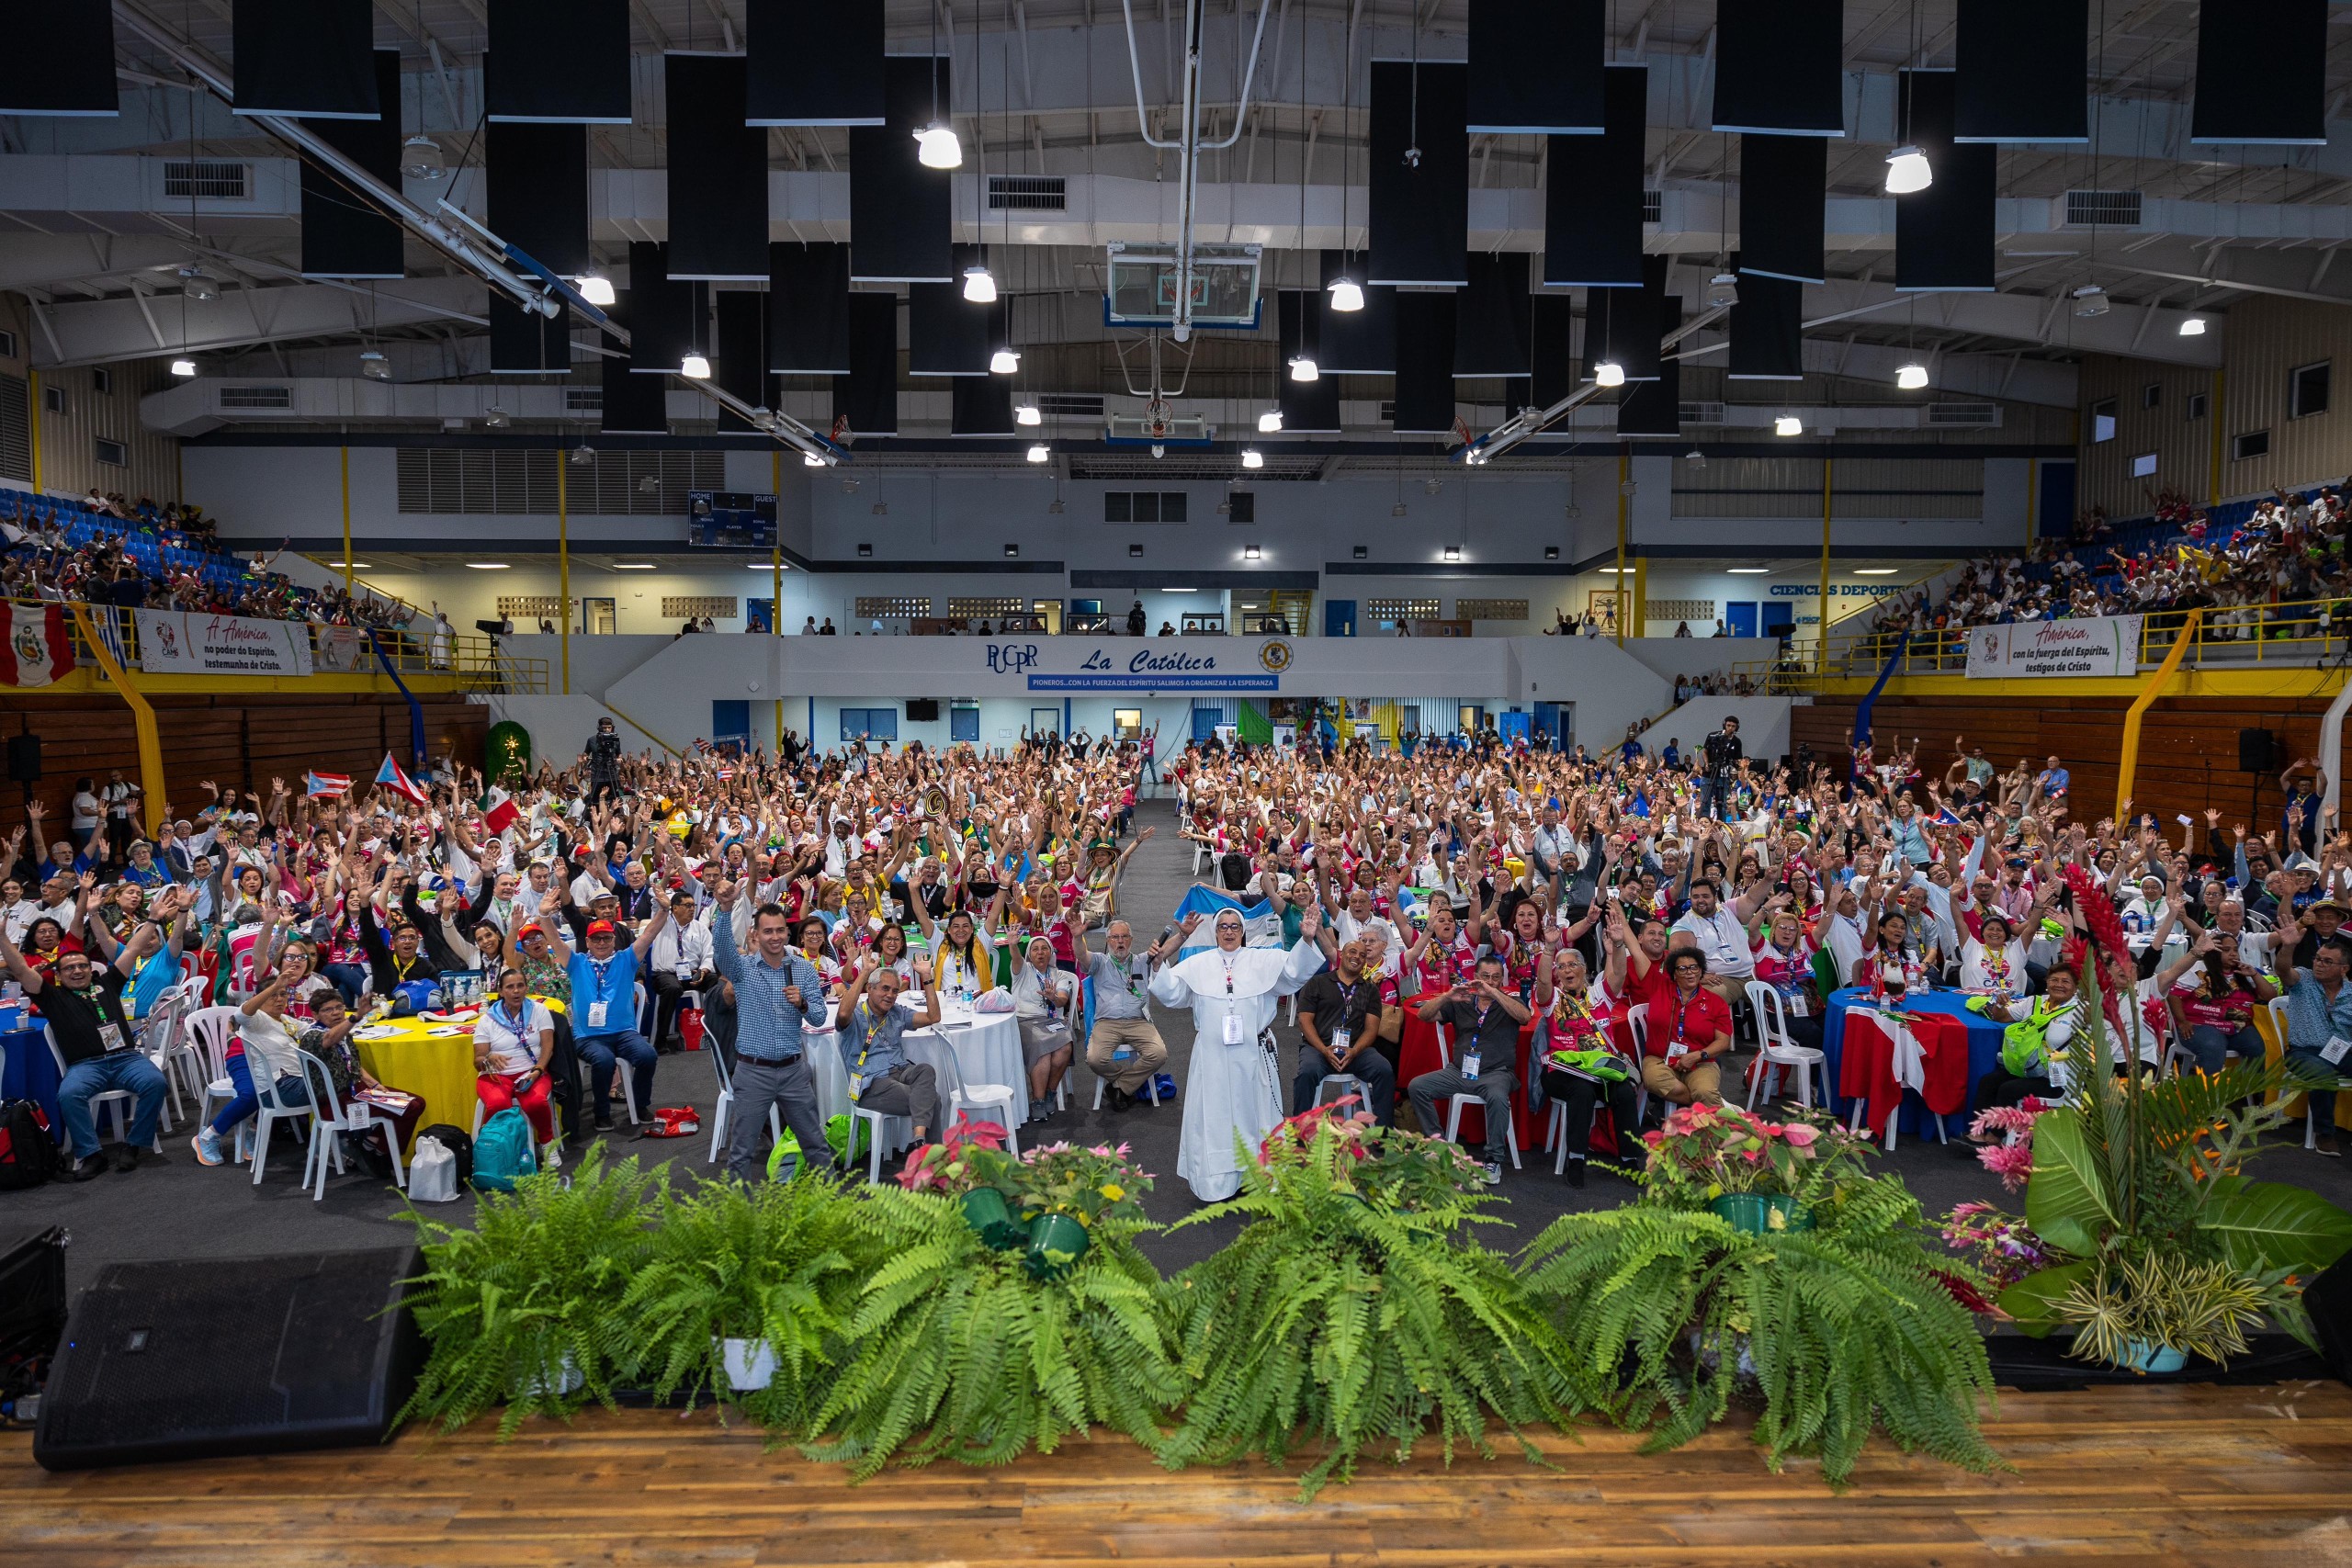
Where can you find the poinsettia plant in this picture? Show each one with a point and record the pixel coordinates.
(1711, 1150)
(969, 1155)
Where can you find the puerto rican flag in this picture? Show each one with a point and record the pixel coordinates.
(392, 776)
(37, 651)
(333, 785)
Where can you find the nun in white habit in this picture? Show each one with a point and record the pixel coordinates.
(1236, 1083)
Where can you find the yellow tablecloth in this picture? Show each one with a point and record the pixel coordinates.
(432, 1060)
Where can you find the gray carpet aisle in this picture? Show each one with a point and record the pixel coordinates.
(180, 1209)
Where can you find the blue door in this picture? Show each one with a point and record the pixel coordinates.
(1511, 725)
(1206, 716)
(1739, 618)
(759, 615)
(1779, 619)
(730, 720)
(1338, 618)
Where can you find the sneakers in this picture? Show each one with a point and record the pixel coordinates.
(86, 1168)
(1573, 1176)
(603, 1122)
(206, 1145)
(1494, 1173)
(2327, 1147)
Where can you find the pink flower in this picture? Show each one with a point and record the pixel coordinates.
(2011, 1162)
(1754, 1156)
(1799, 1135)
(1653, 1137)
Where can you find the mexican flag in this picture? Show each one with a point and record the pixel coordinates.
(38, 652)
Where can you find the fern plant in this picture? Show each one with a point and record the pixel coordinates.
(524, 1308)
(778, 1264)
(1845, 1327)
(1350, 1313)
(954, 1351)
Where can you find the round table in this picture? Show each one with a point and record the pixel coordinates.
(28, 1071)
(963, 1047)
(430, 1059)
(1951, 1074)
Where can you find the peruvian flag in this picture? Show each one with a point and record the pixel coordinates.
(38, 652)
(391, 775)
(329, 785)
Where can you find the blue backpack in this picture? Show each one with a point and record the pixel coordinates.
(502, 1152)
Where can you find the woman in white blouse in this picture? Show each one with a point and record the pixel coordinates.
(513, 1041)
(1995, 962)
(1042, 995)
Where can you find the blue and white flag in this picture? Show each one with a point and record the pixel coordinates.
(1261, 922)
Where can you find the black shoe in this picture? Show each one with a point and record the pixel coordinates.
(1121, 1100)
(1574, 1175)
(603, 1124)
(87, 1168)
(127, 1158)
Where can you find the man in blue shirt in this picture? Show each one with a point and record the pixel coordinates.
(778, 994)
(2052, 780)
(603, 1005)
(2319, 1022)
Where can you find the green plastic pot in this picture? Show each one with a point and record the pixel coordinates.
(1050, 1234)
(991, 1217)
(1760, 1214)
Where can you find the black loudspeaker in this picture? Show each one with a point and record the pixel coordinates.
(2328, 1298)
(2257, 751)
(220, 1356)
(24, 759)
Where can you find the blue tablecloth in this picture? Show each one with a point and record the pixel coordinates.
(30, 1072)
(1916, 1119)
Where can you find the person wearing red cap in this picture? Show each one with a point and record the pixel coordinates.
(604, 1004)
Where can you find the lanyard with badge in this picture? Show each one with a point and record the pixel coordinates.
(601, 968)
(1477, 1041)
(111, 1035)
(1232, 1017)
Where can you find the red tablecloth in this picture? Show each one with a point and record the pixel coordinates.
(1867, 1069)
(1417, 1052)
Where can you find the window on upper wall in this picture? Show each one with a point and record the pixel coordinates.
(102, 381)
(2143, 465)
(113, 454)
(2152, 396)
(2193, 407)
(2307, 389)
(2102, 421)
(2251, 443)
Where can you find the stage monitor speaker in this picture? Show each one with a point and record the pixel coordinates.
(2257, 751)
(2328, 1298)
(217, 1356)
(922, 710)
(24, 759)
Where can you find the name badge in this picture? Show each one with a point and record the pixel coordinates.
(1470, 1067)
(1796, 1002)
(1232, 1027)
(2332, 1053)
(596, 1015)
(1340, 1038)
(111, 1036)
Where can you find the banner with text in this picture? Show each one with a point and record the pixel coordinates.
(2100, 645)
(344, 650)
(190, 642)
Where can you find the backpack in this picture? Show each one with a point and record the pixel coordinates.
(29, 1155)
(458, 1141)
(504, 1151)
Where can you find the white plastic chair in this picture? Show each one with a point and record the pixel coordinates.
(206, 1034)
(876, 1135)
(120, 1100)
(725, 1105)
(1777, 1049)
(329, 1116)
(1455, 1102)
(273, 1111)
(989, 1099)
(159, 1038)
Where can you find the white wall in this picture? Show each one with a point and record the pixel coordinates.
(1763, 725)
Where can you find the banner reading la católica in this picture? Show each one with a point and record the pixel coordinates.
(2098, 645)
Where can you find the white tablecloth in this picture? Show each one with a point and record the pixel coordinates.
(963, 1048)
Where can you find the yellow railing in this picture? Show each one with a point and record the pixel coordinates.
(2300, 632)
(470, 658)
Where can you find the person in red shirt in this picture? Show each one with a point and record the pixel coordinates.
(1689, 1031)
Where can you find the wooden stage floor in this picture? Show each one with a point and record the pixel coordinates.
(2201, 1474)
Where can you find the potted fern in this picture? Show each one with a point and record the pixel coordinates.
(955, 1350)
(745, 1289)
(1354, 1311)
(1849, 1327)
(524, 1309)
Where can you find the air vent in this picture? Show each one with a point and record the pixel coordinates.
(1070, 405)
(256, 396)
(1702, 414)
(1027, 193)
(207, 180)
(584, 400)
(1983, 416)
(2110, 208)
(1652, 207)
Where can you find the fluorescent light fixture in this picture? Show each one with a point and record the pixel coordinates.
(1179, 591)
(1346, 295)
(1270, 422)
(1028, 413)
(2090, 300)
(375, 366)
(1252, 458)
(695, 367)
(1304, 369)
(488, 565)
(1787, 424)
(1041, 453)
(353, 565)
(183, 367)
(1908, 171)
(2192, 326)
(1608, 373)
(421, 159)
(632, 566)
(1003, 362)
(766, 566)
(979, 284)
(941, 149)
(1750, 570)
(1911, 377)
(597, 290)
(1873, 571)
